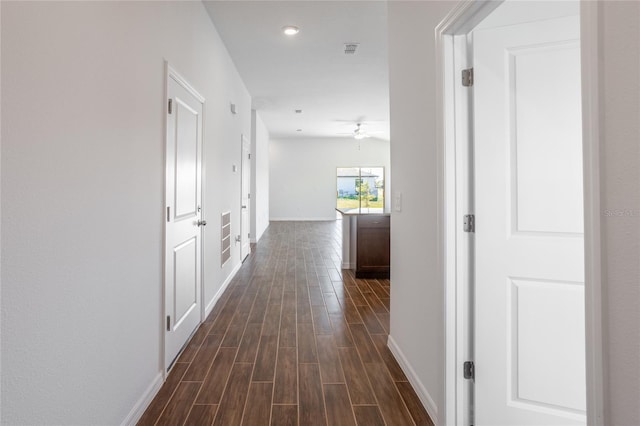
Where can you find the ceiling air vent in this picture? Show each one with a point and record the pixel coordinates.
(350, 48)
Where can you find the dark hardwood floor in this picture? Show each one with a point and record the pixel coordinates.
(294, 340)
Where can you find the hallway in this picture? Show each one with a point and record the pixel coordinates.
(293, 341)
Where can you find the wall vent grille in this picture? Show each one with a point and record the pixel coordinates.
(350, 48)
(225, 244)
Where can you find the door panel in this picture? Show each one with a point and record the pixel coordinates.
(186, 279)
(543, 338)
(183, 287)
(186, 160)
(545, 199)
(529, 310)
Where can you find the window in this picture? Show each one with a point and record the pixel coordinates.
(360, 189)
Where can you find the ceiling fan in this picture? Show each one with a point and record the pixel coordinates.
(359, 133)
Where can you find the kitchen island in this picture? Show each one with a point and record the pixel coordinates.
(366, 245)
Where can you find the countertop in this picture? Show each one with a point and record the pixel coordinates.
(364, 212)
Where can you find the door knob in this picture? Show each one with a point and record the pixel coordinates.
(202, 223)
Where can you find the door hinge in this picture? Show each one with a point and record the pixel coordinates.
(467, 77)
(249, 195)
(469, 370)
(168, 323)
(249, 156)
(168, 214)
(469, 223)
(170, 106)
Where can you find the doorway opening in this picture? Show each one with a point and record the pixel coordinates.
(475, 167)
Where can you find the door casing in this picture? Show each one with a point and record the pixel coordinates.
(453, 127)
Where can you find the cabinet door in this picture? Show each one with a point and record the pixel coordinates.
(373, 245)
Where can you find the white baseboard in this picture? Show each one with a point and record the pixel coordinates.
(302, 219)
(223, 287)
(257, 237)
(139, 408)
(421, 391)
(348, 266)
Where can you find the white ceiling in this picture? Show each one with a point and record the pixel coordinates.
(310, 71)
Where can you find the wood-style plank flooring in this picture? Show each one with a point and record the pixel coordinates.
(294, 340)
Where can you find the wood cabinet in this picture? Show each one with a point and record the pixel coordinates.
(373, 242)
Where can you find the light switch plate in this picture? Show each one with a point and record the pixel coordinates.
(397, 201)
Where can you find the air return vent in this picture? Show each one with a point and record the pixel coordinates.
(350, 48)
(225, 246)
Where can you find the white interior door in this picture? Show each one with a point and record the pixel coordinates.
(529, 324)
(245, 212)
(183, 247)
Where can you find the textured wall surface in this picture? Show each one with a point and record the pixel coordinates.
(620, 199)
(83, 104)
(303, 174)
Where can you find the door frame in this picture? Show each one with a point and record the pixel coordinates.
(454, 255)
(171, 73)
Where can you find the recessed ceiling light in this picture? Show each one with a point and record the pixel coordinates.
(290, 30)
(298, 111)
(298, 130)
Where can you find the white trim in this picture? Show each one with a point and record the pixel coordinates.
(163, 306)
(447, 196)
(183, 82)
(426, 399)
(257, 238)
(203, 184)
(462, 18)
(302, 219)
(139, 408)
(221, 290)
(465, 16)
(590, 57)
(141, 405)
(145, 400)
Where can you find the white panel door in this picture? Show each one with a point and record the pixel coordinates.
(183, 216)
(245, 212)
(529, 323)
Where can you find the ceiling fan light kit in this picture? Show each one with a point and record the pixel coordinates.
(358, 133)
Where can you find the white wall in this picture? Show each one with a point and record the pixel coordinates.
(83, 105)
(303, 174)
(417, 317)
(259, 177)
(620, 192)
